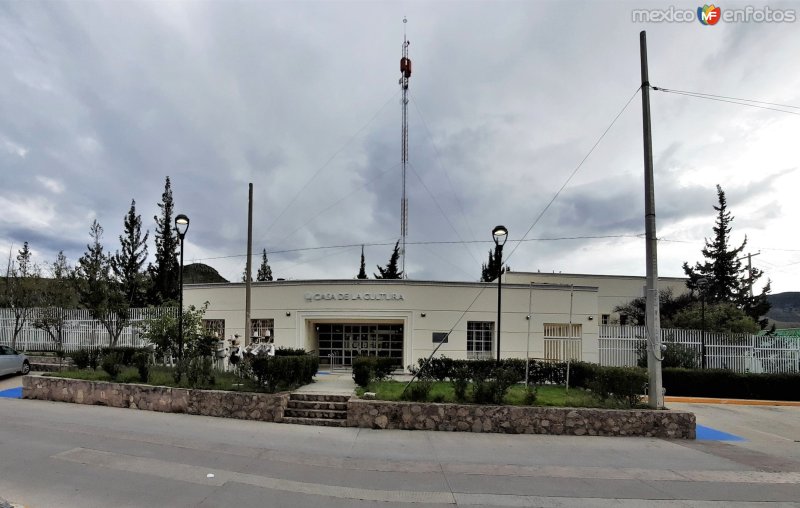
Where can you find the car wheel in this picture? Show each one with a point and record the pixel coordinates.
(26, 367)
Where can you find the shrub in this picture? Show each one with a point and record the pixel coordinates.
(80, 358)
(493, 390)
(275, 373)
(142, 362)
(111, 364)
(530, 395)
(624, 385)
(725, 383)
(460, 376)
(582, 374)
(124, 354)
(370, 368)
(288, 351)
(419, 390)
(94, 358)
(675, 355)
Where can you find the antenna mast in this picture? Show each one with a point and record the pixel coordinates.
(405, 70)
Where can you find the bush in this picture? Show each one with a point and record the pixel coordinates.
(371, 368)
(624, 385)
(419, 390)
(111, 364)
(530, 395)
(142, 362)
(80, 358)
(94, 358)
(124, 354)
(460, 376)
(288, 351)
(725, 383)
(675, 355)
(275, 373)
(582, 374)
(493, 390)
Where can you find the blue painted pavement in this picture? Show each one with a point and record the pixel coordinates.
(12, 393)
(708, 434)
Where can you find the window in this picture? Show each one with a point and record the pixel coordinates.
(623, 319)
(215, 327)
(562, 342)
(260, 327)
(439, 337)
(480, 339)
(605, 319)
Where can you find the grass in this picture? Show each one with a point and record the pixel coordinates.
(546, 395)
(162, 376)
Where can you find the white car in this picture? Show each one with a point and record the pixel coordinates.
(12, 362)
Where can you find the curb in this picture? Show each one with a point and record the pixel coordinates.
(733, 402)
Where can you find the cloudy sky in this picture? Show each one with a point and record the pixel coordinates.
(100, 101)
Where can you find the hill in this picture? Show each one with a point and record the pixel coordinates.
(198, 273)
(785, 311)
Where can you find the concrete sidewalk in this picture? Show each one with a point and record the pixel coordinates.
(334, 383)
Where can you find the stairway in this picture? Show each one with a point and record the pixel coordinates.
(325, 409)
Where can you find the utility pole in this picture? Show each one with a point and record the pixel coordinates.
(653, 321)
(249, 268)
(750, 270)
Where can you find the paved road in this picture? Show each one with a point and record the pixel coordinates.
(64, 455)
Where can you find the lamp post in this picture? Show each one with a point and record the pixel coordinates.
(500, 235)
(181, 226)
(701, 283)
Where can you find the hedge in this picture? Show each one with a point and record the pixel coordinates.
(370, 368)
(728, 384)
(276, 373)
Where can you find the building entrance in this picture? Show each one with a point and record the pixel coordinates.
(339, 343)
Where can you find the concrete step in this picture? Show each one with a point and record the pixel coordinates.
(316, 413)
(313, 404)
(323, 422)
(319, 397)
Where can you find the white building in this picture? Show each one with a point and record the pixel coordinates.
(408, 319)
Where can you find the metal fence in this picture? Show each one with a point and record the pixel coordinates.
(80, 330)
(621, 346)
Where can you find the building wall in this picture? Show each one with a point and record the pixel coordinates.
(612, 290)
(422, 307)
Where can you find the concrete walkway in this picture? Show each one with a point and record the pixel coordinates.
(338, 382)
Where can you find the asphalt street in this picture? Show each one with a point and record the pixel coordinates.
(65, 455)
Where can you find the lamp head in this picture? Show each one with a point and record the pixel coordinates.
(181, 225)
(500, 234)
(702, 282)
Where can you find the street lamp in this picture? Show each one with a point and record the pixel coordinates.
(702, 283)
(500, 235)
(181, 226)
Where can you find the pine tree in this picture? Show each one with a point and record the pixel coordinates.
(725, 280)
(98, 291)
(391, 270)
(491, 270)
(164, 273)
(128, 263)
(264, 271)
(362, 272)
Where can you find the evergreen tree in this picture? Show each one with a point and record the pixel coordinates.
(128, 263)
(722, 269)
(362, 272)
(98, 291)
(491, 270)
(164, 273)
(391, 270)
(264, 271)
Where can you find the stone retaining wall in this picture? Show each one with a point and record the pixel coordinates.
(243, 405)
(520, 420)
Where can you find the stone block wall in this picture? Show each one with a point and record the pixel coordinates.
(520, 420)
(243, 405)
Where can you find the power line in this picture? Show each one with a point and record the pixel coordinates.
(575, 171)
(337, 152)
(714, 98)
(437, 242)
(436, 202)
(661, 89)
(442, 167)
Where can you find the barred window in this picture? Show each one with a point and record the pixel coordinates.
(260, 327)
(562, 342)
(215, 327)
(480, 339)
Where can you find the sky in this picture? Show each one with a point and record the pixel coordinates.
(101, 101)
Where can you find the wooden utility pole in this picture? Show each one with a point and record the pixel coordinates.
(653, 321)
(249, 267)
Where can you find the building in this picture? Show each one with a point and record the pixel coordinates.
(409, 319)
